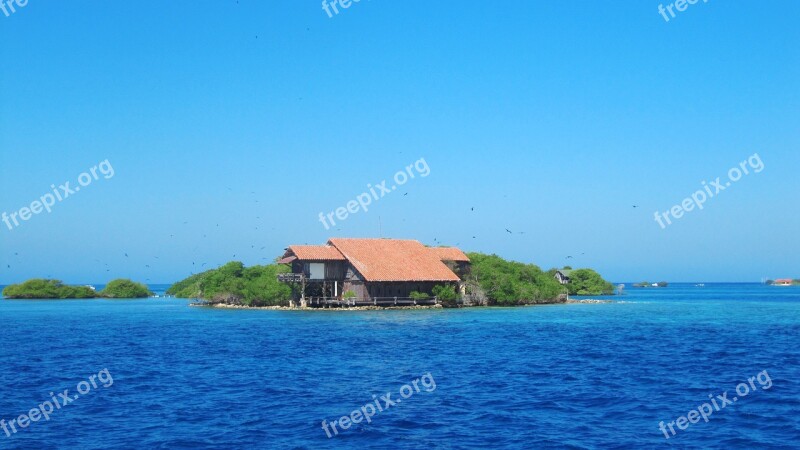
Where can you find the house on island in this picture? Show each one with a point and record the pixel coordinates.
(783, 282)
(563, 275)
(371, 271)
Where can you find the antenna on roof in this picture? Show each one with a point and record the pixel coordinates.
(380, 227)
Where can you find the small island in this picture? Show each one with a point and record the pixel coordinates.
(783, 282)
(39, 288)
(647, 284)
(321, 277)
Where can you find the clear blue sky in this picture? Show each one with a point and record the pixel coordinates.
(231, 125)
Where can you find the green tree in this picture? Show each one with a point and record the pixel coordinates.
(39, 288)
(236, 284)
(124, 288)
(588, 282)
(446, 294)
(512, 283)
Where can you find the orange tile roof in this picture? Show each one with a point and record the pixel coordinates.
(316, 252)
(393, 260)
(449, 254)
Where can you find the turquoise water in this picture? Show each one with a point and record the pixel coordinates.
(563, 376)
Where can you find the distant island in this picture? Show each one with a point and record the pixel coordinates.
(783, 282)
(39, 288)
(477, 280)
(647, 284)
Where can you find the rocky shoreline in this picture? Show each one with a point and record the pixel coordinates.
(374, 308)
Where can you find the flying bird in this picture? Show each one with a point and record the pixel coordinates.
(509, 231)
(568, 257)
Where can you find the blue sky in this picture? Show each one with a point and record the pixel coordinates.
(231, 125)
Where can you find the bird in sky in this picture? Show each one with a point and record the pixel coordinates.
(509, 231)
(126, 255)
(568, 257)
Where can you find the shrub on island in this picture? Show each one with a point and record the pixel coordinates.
(416, 295)
(588, 282)
(39, 288)
(235, 284)
(507, 283)
(124, 288)
(446, 294)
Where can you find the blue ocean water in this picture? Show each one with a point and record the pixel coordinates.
(561, 376)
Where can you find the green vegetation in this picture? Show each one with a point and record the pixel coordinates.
(235, 284)
(349, 294)
(419, 295)
(124, 288)
(44, 289)
(588, 282)
(509, 283)
(446, 294)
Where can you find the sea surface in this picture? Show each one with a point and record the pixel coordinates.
(560, 376)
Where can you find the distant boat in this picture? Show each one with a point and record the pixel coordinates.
(700, 285)
(90, 287)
